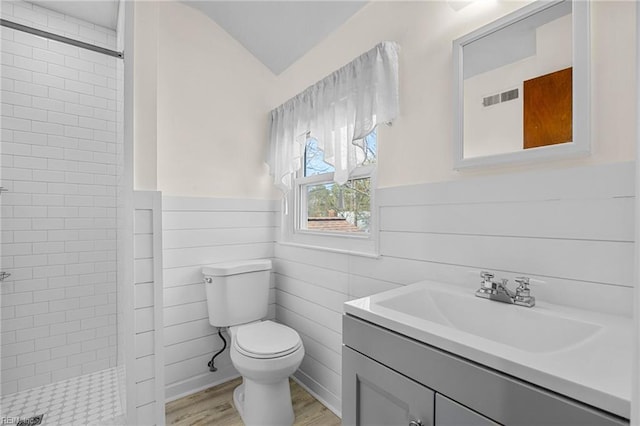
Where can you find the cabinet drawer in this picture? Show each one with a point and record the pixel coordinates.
(373, 394)
(450, 413)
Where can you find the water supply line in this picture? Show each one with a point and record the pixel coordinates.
(211, 365)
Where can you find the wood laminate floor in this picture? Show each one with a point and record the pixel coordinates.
(214, 406)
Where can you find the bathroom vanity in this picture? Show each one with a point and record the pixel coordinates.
(407, 360)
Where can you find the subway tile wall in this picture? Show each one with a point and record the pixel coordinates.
(59, 152)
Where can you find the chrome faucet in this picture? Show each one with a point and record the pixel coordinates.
(499, 292)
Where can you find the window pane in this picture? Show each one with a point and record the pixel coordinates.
(314, 163)
(339, 208)
(368, 154)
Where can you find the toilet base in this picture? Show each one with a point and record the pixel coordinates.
(238, 399)
(264, 404)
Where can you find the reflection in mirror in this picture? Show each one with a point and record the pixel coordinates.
(495, 69)
(516, 81)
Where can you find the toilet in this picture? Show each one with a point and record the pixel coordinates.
(265, 353)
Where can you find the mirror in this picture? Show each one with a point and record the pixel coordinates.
(522, 86)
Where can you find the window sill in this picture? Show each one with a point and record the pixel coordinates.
(345, 236)
(370, 255)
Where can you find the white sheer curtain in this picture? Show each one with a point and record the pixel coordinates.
(338, 111)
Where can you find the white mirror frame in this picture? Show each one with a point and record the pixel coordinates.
(581, 144)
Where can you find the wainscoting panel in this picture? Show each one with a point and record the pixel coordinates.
(566, 219)
(149, 363)
(560, 258)
(571, 230)
(199, 232)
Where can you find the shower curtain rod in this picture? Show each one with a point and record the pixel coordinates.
(62, 39)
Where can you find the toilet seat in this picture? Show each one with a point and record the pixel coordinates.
(266, 340)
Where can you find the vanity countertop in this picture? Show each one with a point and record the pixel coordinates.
(595, 369)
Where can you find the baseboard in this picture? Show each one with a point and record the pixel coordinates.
(196, 384)
(319, 392)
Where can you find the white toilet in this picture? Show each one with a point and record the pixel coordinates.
(264, 353)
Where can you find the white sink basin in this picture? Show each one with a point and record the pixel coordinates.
(530, 329)
(583, 354)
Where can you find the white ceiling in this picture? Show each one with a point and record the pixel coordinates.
(99, 12)
(279, 32)
(276, 32)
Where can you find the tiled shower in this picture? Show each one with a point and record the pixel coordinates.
(62, 114)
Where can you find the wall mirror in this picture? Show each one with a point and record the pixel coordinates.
(521, 86)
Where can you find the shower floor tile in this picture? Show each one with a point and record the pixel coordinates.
(91, 399)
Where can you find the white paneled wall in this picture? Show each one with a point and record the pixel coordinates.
(149, 354)
(198, 232)
(59, 156)
(571, 229)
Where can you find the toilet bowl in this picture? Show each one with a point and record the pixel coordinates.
(265, 353)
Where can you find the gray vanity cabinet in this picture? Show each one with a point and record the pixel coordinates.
(378, 395)
(389, 379)
(374, 395)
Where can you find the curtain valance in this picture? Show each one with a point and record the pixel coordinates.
(338, 111)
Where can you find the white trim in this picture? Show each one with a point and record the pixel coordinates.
(581, 145)
(201, 388)
(635, 375)
(336, 234)
(200, 382)
(357, 173)
(331, 249)
(126, 244)
(313, 393)
(158, 305)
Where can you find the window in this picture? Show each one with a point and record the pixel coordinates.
(330, 203)
(327, 208)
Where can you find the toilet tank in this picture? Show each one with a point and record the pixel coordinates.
(237, 292)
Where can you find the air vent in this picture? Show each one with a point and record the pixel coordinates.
(491, 100)
(509, 95)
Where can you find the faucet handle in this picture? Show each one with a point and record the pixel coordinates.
(523, 293)
(486, 285)
(523, 283)
(487, 276)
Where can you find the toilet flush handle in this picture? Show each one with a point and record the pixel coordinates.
(208, 280)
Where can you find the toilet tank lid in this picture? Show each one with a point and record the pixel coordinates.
(237, 267)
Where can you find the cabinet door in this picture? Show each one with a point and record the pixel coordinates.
(373, 394)
(450, 413)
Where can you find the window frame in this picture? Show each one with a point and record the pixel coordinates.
(365, 244)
